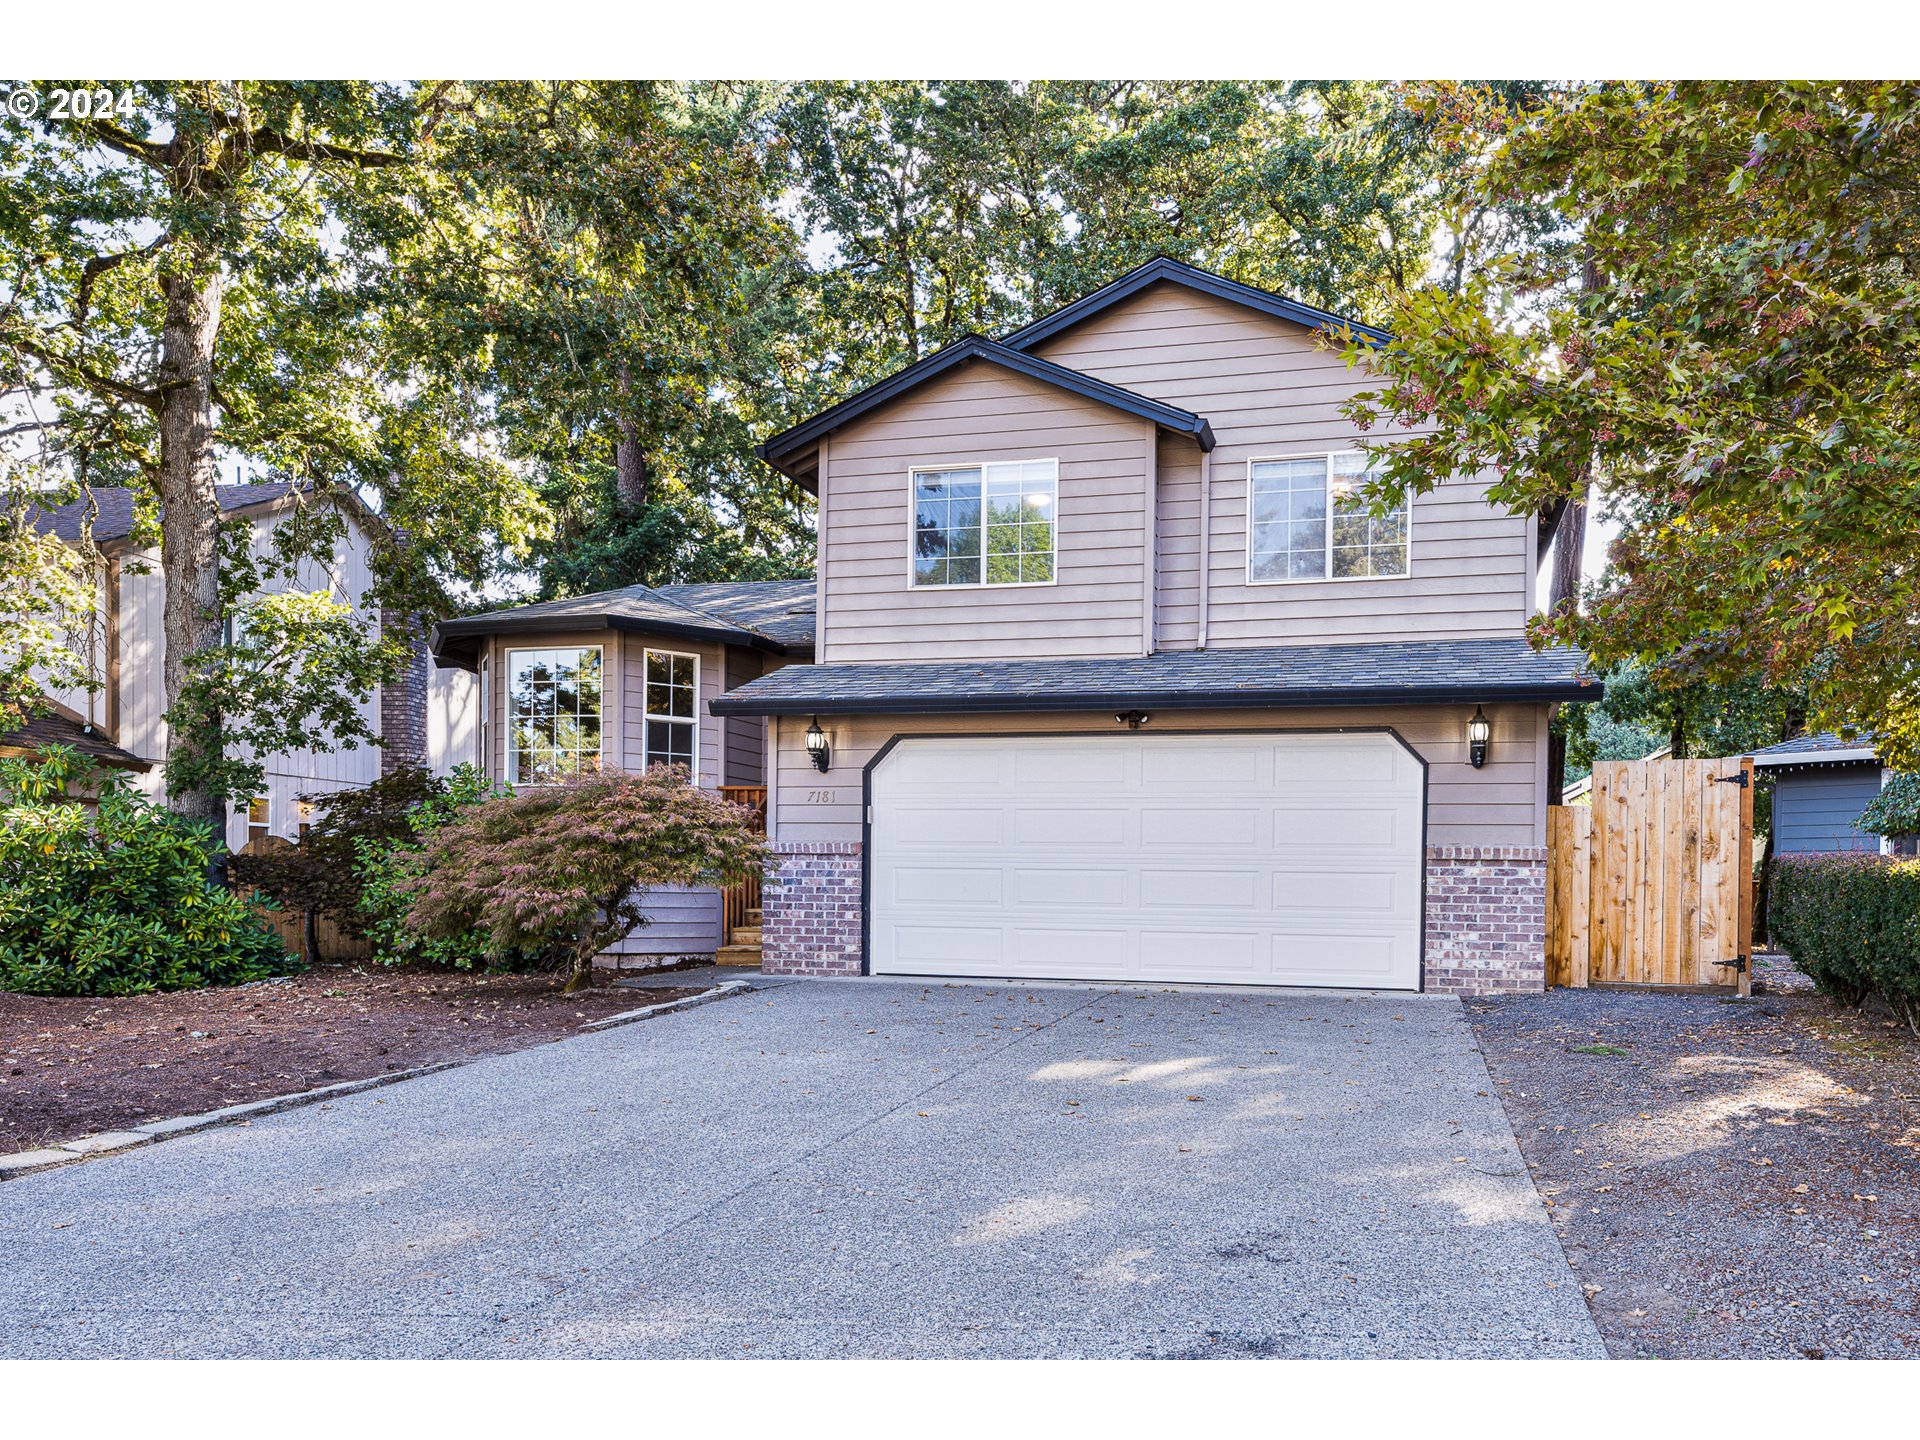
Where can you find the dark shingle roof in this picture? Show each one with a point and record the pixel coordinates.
(1823, 748)
(772, 615)
(781, 610)
(1429, 671)
(115, 502)
(53, 728)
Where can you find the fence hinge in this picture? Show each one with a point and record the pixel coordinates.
(1740, 779)
(1739, 962)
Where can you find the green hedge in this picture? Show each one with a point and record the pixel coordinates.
(1852, 922)
(113, 899)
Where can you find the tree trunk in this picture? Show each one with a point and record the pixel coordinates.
(630, 475)
(189, 560)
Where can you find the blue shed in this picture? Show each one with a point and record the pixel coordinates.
(1821, 783)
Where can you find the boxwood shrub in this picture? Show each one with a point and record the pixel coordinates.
(1852, 922)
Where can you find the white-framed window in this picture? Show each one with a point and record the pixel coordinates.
(259, 818)
(554, 698)
(1306, 521)
(990, 524)
(672, 734)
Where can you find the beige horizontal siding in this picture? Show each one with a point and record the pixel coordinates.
(1269, 390)
(1098, 603)
(1501, 804)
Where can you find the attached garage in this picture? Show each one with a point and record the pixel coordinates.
(1272, 858)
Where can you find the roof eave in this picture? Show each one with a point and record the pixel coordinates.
(1815, 757)
(1565, 692)
(481, 627)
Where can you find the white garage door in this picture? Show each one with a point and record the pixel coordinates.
(1271, 859)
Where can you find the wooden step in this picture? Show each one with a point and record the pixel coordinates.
(738, 955)
(745, 935)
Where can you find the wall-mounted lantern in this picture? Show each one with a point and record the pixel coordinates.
(1479, 730)
(817, 748)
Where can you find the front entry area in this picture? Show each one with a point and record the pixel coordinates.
(1271, 858)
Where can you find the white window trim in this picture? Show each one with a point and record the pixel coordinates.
(1326, 577)
(646, 763)
(913, 522)
(509, 753)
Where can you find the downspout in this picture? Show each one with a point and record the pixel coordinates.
(1206, 543)
(1152, 482)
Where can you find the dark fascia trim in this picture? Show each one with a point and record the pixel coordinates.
(1572, 693)
(783, 448)
(1165, 268)
(449, 655)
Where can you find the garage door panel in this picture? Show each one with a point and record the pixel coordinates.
(1324, 827)
(1053, 825)
(946, 885)
(1189, 826)
(1251, 859)
(1188, 953)
(1200, 889)
(942, 825)
(1304, 892)
(1068, 768)
(1071, 889)
(1202, 767)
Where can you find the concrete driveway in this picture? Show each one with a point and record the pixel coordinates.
(822, 1168)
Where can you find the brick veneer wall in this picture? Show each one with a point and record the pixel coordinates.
(1486, 919)
(810, 909)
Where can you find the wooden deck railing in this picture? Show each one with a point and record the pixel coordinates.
(744, 895)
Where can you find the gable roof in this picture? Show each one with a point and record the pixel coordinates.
(1465, 672)
(114, 505)
(773, 615)
(791, 451)
(1163, 269)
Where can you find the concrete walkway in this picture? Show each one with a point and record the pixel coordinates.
(822, 1168)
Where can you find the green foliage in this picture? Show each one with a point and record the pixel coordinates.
(1727, 351)
(387, 861)
(320, 872)
(113, 900)
(47, 605)
(563, 870)
(1895, 810)
(297, 675)
(1852, 922)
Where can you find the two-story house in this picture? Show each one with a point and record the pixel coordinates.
(425, 717)
(1109, 678)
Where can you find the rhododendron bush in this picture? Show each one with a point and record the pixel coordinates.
(564, 870)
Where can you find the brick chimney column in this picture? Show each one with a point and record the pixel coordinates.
(403, 702)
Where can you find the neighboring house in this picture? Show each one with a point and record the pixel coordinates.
(426, 717)
(1107, 683)
(1821, 783)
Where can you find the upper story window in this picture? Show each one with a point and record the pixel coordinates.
(673, 717)
(985, 524)
(553, 714)
(1307, 522)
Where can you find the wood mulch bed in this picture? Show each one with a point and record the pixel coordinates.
(73, 1066)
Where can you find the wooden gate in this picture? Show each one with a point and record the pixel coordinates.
(1654, 884)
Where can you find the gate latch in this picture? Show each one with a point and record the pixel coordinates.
(1740, 779)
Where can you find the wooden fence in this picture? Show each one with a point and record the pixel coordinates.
(737, 899)
(1653, 885)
